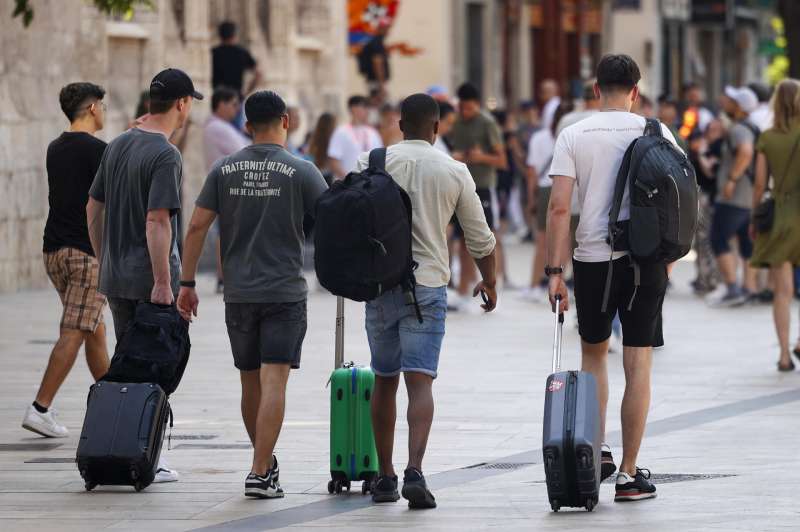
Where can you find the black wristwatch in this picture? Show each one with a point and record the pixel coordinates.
(549, 271)
(188, 284)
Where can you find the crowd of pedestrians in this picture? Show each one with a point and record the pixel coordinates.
(541, 170)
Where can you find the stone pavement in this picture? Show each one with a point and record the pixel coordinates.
(723, 429)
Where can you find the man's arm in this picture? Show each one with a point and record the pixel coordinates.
(192, 248)
(159, 243)
(532, 177)
(558, 239)
(760, 185)
(741, 163)
(479, 238)
(496, 157)
(94, 220)
(255, 81)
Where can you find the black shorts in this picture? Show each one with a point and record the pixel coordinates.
(641, 326)
(488, 202)
(266, 333)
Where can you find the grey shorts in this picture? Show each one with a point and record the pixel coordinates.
(266, 333)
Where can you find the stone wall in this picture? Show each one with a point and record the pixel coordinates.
(70, 41)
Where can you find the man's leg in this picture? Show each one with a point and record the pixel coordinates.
(468, 275)
(270, 414)
(384, 416)
(97, 352)
(595, 361)
(419, 415)
(637, 362)
(61, 361)
(251, 399)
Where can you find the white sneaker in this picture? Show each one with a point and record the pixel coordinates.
(164, 473)
(453, 300)
(537, 294)
(714, 298)
(44, 424)
(615, 343)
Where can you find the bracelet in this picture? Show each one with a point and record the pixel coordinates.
(188, 284)
(548, 271)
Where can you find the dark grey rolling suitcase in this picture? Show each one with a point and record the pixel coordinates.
(571, 435)
(122, 434)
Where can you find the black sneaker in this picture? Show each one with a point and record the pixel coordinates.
(607, 465)
(266, 487)
(276, 471)
(416, 491)
(385, 489)
(634, 488)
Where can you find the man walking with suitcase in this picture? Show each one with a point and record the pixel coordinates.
(261, 195)
(438, 187)
(134, 205)
(589, 154)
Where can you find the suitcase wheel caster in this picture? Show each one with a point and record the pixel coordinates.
(366, 487)
(555, 506)
(90, 486)
(331, 486)
(589, 506)
(139, 486)
(346, 484)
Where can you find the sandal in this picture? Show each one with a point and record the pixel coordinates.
(790, 367)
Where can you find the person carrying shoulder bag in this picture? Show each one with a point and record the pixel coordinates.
(776, 228)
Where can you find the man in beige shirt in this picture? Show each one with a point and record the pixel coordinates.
(438, 187)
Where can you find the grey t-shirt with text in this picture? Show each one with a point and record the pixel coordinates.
(140, 171)
(261, 194)
(743, 194)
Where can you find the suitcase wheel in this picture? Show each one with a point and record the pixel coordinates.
(555, 506)
(366, 487)
(589, 505)
(90, 486)
(139, 486)
(331, 486)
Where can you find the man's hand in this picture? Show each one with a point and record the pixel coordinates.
(558, 288)
(490, 293)
(459, 156)
(162, 294)
(188, 303)
(476, 155)
(729, 189)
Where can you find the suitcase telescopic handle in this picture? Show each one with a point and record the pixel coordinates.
(557, 337)
(339, 356)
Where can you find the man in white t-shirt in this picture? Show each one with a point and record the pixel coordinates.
(352, 139)
(589, 154)
(548, 94)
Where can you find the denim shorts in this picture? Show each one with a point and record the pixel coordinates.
(397, 340)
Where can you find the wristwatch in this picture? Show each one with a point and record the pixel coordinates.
(557, 270)
(188, 284)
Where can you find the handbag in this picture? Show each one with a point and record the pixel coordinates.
(764, 213)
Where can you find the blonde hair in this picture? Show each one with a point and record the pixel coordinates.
(786, 105)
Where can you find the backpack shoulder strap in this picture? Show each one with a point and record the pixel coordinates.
(619, 188)
(377, 159)
(652, 127)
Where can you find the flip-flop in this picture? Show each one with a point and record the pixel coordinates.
(796, 353)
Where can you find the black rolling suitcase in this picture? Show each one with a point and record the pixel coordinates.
(122, 434)
(571, 435)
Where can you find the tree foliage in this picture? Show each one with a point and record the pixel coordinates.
(24, 9)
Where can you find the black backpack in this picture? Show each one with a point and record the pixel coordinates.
(153, 349)
(663, 203)
(362, 235)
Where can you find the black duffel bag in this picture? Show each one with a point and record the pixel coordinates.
(153, 349)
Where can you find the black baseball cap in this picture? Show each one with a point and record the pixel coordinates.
(171, 84)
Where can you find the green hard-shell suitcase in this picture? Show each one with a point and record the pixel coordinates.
(353, 454)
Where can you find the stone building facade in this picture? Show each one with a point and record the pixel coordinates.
(300, 46)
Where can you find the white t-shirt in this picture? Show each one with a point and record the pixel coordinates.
(349, 141)
(762, 117)
(591, 152)
(549, 111)
(540, 155)
(220, 139)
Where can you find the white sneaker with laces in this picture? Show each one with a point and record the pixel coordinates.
(164, 473)
(44, 424)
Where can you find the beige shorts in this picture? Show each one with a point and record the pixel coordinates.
(76, 275)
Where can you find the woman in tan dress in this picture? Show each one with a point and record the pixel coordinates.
(779, 249)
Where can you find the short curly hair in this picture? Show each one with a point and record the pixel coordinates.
(73, 97)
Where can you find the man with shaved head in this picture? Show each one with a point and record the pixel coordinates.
(438, 187)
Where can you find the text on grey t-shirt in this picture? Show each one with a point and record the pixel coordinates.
(261, 194)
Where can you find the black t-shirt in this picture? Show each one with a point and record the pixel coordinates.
(366, 59)
(228, 64)
(72, 162)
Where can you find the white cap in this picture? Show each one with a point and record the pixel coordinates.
(744, 96)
